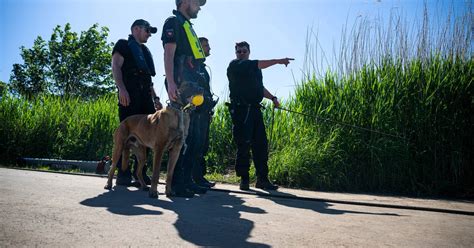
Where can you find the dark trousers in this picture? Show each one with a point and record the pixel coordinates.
(189, 159)
(200, 169)
(141, 102)
(249, 134)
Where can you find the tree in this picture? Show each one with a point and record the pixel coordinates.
(67, 65)
(30, 78)
(3, 88)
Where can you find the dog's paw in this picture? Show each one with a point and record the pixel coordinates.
(153, 195)
(107, 186)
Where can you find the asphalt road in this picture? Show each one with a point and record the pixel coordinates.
(54, 210)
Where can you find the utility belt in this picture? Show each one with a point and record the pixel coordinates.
(242, 108)
(239, 104)
(137, 80)
(136, 72)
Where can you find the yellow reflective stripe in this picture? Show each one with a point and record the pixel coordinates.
(198, 52)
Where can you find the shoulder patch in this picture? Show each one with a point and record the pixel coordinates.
(169, 33)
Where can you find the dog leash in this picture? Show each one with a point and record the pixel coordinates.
(337, 122)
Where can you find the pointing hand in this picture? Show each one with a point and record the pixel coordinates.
(286, 61)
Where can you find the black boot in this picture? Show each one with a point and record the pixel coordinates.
(124, 178)
(203, 182)
(146, 178)
(196, 189)
(181, 192)
(244, 183)
(265, 184)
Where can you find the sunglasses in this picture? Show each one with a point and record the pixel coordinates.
(241, 51)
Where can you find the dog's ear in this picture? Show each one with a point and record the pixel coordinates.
(155, 118)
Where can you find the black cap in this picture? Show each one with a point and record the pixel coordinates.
(201, 2)
(143, 23)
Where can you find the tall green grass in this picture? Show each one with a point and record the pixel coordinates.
(221, 154)
(429, 105)
(419, 87)
(52, 127)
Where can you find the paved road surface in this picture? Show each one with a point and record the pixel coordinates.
(55, 210)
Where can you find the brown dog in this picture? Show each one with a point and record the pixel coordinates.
(166, 129)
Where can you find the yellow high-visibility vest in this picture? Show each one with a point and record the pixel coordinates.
(196, 47)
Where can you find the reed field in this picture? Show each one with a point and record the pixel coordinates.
(394, 114)
(51, 127)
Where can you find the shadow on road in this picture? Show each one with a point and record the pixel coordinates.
(214, 220)
(322, 207)
(121, 201)
(210, 220)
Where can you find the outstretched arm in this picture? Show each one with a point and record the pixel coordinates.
(262, 64)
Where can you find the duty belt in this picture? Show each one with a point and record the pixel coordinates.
(243, 105)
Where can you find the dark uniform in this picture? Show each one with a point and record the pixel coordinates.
(190, 79)
(246, 93)
(138, 84)
(202, 119)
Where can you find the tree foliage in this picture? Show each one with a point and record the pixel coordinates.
(68, 65)
(3, 88)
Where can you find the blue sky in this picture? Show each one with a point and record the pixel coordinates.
(274, 28)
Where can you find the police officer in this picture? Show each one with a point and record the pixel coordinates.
(203, 115)
(246, 92)
(183, 59)
(132, 69)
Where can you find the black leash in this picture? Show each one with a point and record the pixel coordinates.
(342, 124)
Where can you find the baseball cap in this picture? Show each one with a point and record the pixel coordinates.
(201, 2)
(143, 23)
